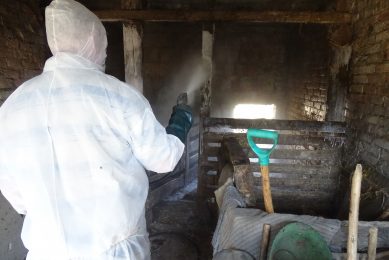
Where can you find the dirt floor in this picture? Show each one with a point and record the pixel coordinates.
(179, 229)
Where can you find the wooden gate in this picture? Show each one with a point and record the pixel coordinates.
(304, 168)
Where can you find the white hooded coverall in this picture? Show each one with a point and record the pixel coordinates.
(74, 143)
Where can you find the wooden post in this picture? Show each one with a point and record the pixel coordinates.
(338, 82)
(372, 246)
(207, 53)
(205, 106)
(340, 39)
(352, 243)
(132, 43)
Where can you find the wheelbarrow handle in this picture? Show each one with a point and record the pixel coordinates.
(263, 154)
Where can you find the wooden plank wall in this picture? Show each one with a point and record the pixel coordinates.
(304, 168)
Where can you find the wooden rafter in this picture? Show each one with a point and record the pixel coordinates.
(224, 16)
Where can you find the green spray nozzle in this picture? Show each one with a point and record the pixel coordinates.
(263, 154)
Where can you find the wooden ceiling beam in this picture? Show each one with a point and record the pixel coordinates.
(223, 16)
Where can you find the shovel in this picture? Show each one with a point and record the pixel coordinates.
(263, 155)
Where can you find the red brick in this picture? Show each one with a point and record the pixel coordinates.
(6, 83)
(386, 53)
(357, 88)
(373, 48)
(375, 58)
(383, 36)
(360, 79)
(376, 78)
(383, 68)
(364, 69)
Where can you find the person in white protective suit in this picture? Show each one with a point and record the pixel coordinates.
(74, 145)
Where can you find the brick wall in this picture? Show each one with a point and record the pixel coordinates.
(23, 44)
(308, 73)
(368, 97)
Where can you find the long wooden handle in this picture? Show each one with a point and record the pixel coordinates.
(265, 241)
(266, 189)
(352, 244)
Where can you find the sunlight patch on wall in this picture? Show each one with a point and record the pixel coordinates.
(254, 111)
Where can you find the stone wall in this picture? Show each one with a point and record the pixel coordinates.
(368, 93)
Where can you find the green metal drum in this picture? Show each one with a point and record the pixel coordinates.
(298, 241)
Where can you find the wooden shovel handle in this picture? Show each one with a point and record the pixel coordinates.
(266, 189)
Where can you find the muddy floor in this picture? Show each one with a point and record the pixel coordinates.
(180, 229)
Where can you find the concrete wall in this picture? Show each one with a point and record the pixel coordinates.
(23, 52)
(368, 99)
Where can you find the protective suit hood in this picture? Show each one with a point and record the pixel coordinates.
(72, 28)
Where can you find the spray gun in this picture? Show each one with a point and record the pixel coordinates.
(181, 119)
(182, 99)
